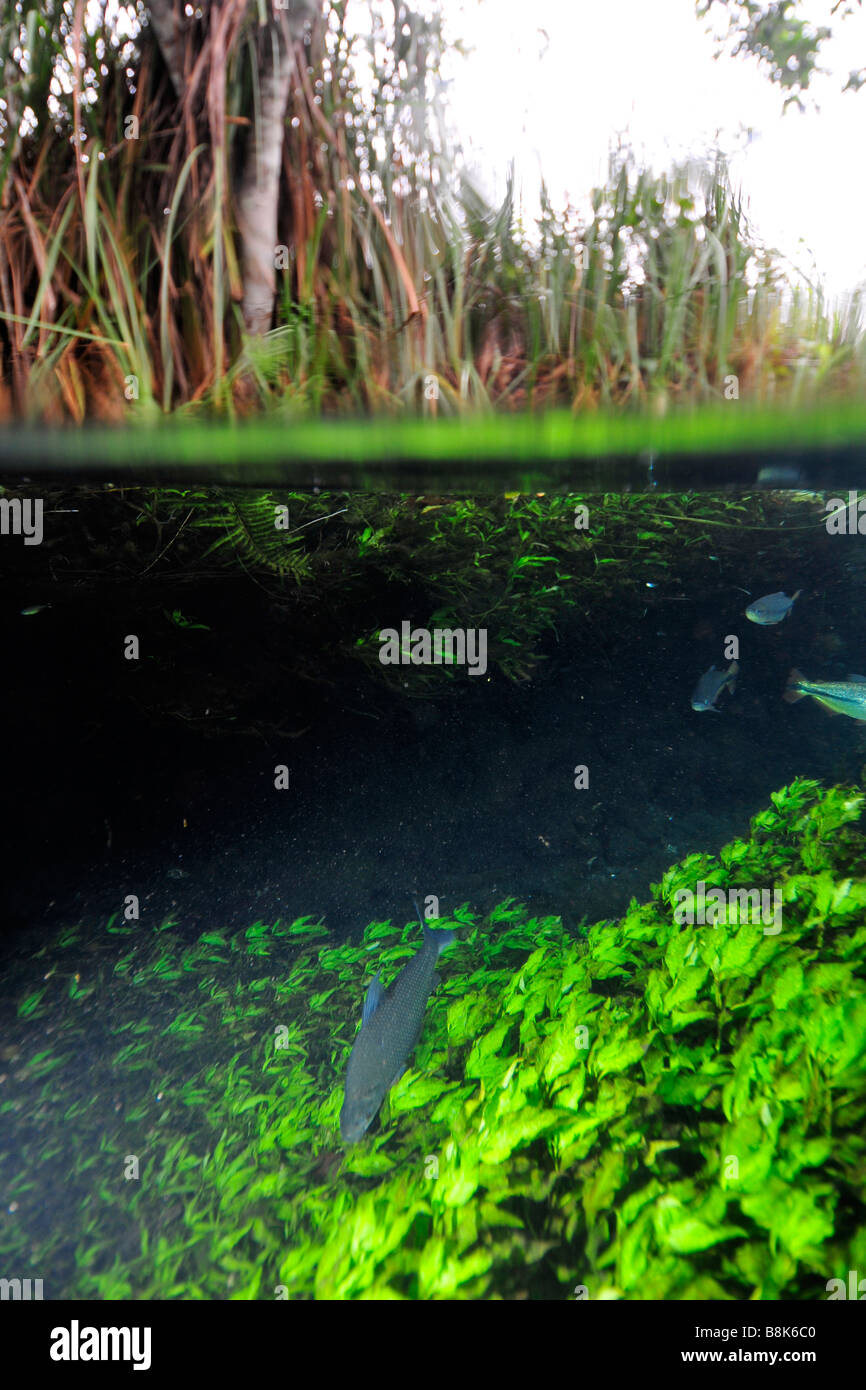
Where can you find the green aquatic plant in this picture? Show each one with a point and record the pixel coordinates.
(517, 566)
(647, 1110)
(251, 530)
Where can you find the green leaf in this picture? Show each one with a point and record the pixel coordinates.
(788, 985)
(689, 1234)
(29, 1006)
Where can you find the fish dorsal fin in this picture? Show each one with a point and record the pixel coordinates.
(861, 680)
(373, 999)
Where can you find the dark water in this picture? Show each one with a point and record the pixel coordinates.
(156, 778)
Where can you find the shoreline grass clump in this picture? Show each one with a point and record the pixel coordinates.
(647, 1111)
(401, 289)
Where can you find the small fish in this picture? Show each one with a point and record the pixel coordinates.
(32, 608)
(842, 697)
(390, 1027)
(772, 608)
(711, 685)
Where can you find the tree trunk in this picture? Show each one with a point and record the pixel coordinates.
(259, 191)
(164, 24)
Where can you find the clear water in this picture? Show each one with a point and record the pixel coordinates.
(156, 777)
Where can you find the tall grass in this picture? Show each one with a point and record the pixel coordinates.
(403, 291)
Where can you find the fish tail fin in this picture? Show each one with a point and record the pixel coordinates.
(441, 938)
(791, 693)
(732, 675)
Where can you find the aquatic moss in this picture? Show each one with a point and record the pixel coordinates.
(652, 1110)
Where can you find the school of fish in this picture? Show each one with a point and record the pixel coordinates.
(842, 697)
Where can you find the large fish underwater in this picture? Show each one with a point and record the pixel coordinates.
(390, 1027)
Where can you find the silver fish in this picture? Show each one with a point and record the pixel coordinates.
(390, 1027)
(711, 685)
(842, 697)
(772, 608)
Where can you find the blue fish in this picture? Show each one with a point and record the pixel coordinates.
(711, 685)
(390, 1027)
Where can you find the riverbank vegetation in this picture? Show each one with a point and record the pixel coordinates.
(399, 288)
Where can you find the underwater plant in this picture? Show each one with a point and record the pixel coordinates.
(648, 1110)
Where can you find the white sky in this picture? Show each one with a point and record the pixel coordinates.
(646, 68)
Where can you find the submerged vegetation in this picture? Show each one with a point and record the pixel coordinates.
(340, 567)
(399, 288)
(649, 1111)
